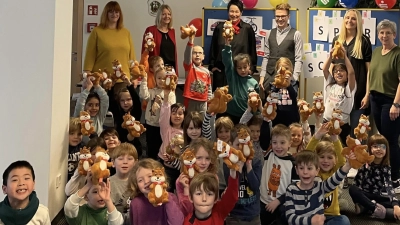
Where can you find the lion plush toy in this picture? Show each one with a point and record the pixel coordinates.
(336, 122)
(188, 31)
(85, 161)
(269, 109)
(360, 152)
(175, 146)
(135, 128)
(318, 103)
(228, 30)
(158, 194)
(87, 127)
(149, 43)
(99, 168)
(171, 80)
(118, 73)
(229, 155)
(361, 131)
(280, 80)
(219, 103)
(338, 52)
(254, 101)
(245, 144)
(304, 109)
(136, 70)
(188, 160)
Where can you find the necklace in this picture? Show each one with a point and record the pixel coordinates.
(386, 51)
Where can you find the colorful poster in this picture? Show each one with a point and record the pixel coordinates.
(255, 21)
(212, 23)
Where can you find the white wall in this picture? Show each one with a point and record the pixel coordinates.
(35, 91)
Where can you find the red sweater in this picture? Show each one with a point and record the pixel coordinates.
(157, 40)
(221, 209)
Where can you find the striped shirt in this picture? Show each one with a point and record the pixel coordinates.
(302, 205)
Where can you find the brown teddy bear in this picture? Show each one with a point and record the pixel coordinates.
(85, 161)
(228, 30)
(304, 109)
(158, 194)
(336, 122)
(118, 73)
(338, 52)
(188, 160)
(360, 152)
(254, 101)
(229, 155)
(269, 109)
(361, 131)
(318, 103)
(219, 103)
(99, 168)
(280, 80)
(136, 70)
(149, 43)
(87, 127)
(245, 144)
(175, 147)
(171, 80)
(188, 31)
(134, 127)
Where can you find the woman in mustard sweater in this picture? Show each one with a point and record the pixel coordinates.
(109, 41)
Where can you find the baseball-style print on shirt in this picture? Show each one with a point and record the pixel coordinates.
(246, 195)
(274, 180)
(198, 86)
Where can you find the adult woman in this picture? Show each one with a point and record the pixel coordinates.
(359, 50)
(109, 41)
(164, 37)
(383, 87)
(244, 41)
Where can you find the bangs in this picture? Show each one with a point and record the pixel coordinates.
(339, 66)
(113, 6)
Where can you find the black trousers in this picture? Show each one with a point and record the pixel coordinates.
(219, 79)
(364, 199)
(154, 141)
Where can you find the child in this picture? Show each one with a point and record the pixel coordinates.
(75, 144)
(301, 135)
(197, 89)
(142, 212)
(95, 103)
(99, 208)
(21, 206)
(111, 139)
(277, 173)
(373, 192)
(340, 90)
(151, 65)
(155, 97)
(203, 192)
(239, 81)
(304, 199)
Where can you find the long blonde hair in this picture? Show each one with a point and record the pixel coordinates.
(159, 15)
(357, 50)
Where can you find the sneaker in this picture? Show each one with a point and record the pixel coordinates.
(380, 212)
(345, 183)
(397, 190)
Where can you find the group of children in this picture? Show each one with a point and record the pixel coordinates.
(278, 185)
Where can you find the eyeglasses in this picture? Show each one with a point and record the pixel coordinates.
(338, 71)
(381, 146)
(281, 17)
(195, 53)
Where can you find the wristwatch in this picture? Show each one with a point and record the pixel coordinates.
(397, 105)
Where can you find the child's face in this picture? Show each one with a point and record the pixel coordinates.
(297, 136)
(224, 134)
(254, 132)
(93, 198)
(327, 161)
(143, 177)
(75, 138)
(125, 101)
(20, 185)
(111, 141)
(203, 159)
(378, 150)
(243, 68)
(280, 145)
(160, 78)
(307, 173)
(92, 106)
(193, 132)
(177, 117)
(203, 201)
(197, 55)
(159, 64)
(340, 75)
(123, 164)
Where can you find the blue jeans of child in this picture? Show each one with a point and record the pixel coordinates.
(334, 220)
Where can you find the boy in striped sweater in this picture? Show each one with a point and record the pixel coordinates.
(304, 199)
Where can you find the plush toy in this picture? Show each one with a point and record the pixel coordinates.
(99, 168)
(304, 109)
(149, 43)
(228, 30)
(229, 155)
(87, 127)
(189, 167)
(107, 84)
(269, 109)
(245, 144)
(158, 194)
(280, 80)
(336, 122)
(175, 147)
(219, 103)
(360, 152)
(85, 161)
(361, 131)
(338, 52)
(134, 127)
(136, 70)
(254, 101)
(318, 103)
(171, 80)
(118, 73)
(188, 31)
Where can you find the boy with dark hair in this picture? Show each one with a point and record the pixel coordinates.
(75, 144)
(111, 138)
(21, 206)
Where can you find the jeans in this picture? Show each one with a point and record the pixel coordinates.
(354, 118)
(380, 109)
(334, 220)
